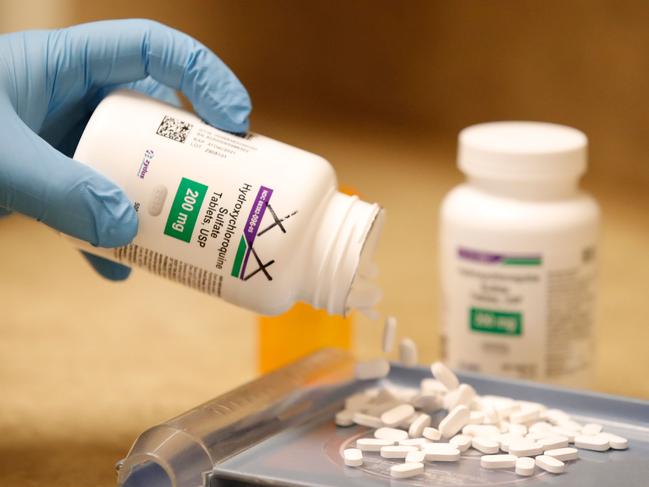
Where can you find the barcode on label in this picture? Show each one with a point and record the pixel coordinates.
(174, 129)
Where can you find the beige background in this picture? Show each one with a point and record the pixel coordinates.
(380, 89)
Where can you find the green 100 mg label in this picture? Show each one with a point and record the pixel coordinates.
(498, 322)
(184, 210)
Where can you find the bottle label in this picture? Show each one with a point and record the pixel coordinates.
(213, 213)
(525, 315)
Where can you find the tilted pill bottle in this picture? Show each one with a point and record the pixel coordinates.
(518, 244)
(251, 220)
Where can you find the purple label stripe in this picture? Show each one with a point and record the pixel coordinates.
(493, 258)
(254, 220)
(479, 256)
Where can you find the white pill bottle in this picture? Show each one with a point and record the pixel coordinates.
(251, 220)
(518, 248)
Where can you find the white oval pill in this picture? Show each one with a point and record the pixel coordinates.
(404, 394)
(353, 457)
(415, 456)
(156, 200)
(454, 421)
(536, 436)
(517, 429)
(550, 464)
(397, 451)
(432, 386)
(418, 442)
(531, 404)
(553, 442)
(591, 429)
(476, 417)
(525, 415)
(417, 426)
(378, 408)
(372, 444)
(358, 401)
(485, 445)
(505, 439)
(461, 442)
(564, 432)
(396, 415)
(556, 416)
(497, 461)
(616, 442)
(563, 454)
(405, 424)
(431, 433)
(367, 420)
(390, 434)
(441, 452)
(372, 369)
(428, 402)
(344, 418)
(592, 442)
(524, 448)
(408, 352)
(464, 395)
(389, 333)
(503, 406)
(491, 416)
(540, 427)
(406, 470)
(445, 375)
(525, 466)
(385, 395)
(486, 430)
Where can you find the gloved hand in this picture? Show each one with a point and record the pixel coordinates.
(51, 81)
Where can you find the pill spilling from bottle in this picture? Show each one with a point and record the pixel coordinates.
(522, 436)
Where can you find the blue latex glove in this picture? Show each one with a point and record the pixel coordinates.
(51, 81)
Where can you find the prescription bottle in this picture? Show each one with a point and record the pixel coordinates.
(248, 219)
(518, 246)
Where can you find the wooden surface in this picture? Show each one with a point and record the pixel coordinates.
(86, 364)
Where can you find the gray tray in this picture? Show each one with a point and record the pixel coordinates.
(308, 454)
(279, 430)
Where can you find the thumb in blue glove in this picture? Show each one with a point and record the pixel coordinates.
(51, 81)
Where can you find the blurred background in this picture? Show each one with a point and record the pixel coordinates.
(380, 89)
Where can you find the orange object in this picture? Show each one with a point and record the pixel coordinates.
(300, 331)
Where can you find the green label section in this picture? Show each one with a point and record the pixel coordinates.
(522, 261)
(184, 210)
(238, 260)
(498, 322)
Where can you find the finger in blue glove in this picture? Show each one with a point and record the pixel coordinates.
(50, 81)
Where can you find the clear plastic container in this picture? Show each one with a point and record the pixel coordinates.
(181, 451)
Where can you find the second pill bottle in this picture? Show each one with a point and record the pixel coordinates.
(518, 248)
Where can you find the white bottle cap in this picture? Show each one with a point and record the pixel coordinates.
(522, 151)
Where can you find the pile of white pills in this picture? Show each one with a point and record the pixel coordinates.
(511, 434)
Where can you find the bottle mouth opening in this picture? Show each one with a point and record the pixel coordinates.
(364, 293)
(345, 245)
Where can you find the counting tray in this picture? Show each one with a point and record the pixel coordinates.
(305, 447)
